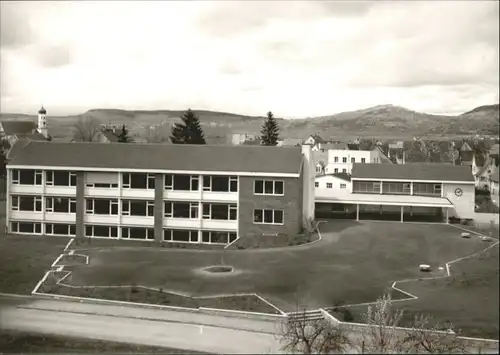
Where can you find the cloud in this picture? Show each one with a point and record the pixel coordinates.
(15, 31)
(52, 56)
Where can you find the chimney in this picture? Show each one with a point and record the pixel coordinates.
(308, 179)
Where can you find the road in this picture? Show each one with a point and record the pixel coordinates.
(213, 334)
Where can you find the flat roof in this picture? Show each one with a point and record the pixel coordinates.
(413, 172)
(172, 157)
(391, 200)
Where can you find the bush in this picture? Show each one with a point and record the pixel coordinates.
(454, 220)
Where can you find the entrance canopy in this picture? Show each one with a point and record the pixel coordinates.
(390, 200)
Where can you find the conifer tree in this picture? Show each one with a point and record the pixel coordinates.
(270, 131)
(123, 137)
(188, 131)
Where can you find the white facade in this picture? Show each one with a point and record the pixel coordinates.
(341, 160)
(308, 171)
(331, 187)
(42, 123)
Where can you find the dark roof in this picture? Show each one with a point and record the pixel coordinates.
(416, 171)
(110, 135)
(343, 176)
(18, 127)
(259, 159)
(318, 138)
(17, 147)
(42, 111)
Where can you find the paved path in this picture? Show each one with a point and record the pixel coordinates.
(181, 330)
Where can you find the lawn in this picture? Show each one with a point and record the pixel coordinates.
(24, 259)
(23, 342)
(354, 263)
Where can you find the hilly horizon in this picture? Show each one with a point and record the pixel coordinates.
(377, 121)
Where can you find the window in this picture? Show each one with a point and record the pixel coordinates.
(26, 227)
(101, 231)
(353, 160)
(60, 178)
(138, 181)
(343, 186)
(437, 188)
(336, 170)
(329, 185)
(336, 159)
(363, 160)
(26, 177)
(344, 160)
(138, 233)
(102, 185)
(181, 209)
(60, 229)
(26, 203)
(318, 168)
(220, 211)
(268, 216)
(215, 237)
(366, 187)
(138, 208)
(182, 182)
(269, 187)
(60, 205)
(316, 184)
(344, 170)
(101, 206)
(220, 183)
(180, 235)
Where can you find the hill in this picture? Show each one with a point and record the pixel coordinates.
(381, 121)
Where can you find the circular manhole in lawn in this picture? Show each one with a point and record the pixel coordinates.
(217, 270)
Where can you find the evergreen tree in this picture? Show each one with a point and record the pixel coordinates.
(270, 131)
(188, 131)
(123, 137)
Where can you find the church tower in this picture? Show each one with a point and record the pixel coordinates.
(42, 122)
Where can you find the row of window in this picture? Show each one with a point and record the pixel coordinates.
(344, 160)
(132, 233)
(178, 182)
(329, 185)
(397, 188)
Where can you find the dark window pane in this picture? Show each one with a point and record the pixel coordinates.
(182, 182)
(49, 228)
(257, 216)
(26, 203)
(233, 214)
(220, 211)
(278, 187)
(205, 237)
(137, 233)
(278, 216)
(114, 208)
(206, 210)
(26, 227)
(234, 185)
(168, 208)
(101, 231)
(38, 228)
(269, 187)
(194, 236)
(180, 235)
(138, 181)
(72, 206)
(151, 182)
(27, 177)
(195, 184)
(61, 229)
(61, 178)
(220, 183)
(137, 208)
(268, 216)
(168, 181)
(219, 237)
(88, 231)
(151, 210)
(167, 234)
(73, 180)
(259, 187)
(14, 226)
(72, 229)
(181, 209)
(61, 205)
(114, 232)
(232, 237)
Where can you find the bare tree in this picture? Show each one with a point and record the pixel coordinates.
(381, 334)
(157, 134)
(425, 337)
(86, 129)
(312, 336)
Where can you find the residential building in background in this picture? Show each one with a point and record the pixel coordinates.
(494, 188)
(163, 193)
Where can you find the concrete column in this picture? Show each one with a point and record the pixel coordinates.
(381, 187)
(80, 205)
(402, 213)
(447, 211)
(158, 202)
(411, 188)
(357, 212)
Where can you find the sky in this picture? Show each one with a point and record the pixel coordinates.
(295, 58)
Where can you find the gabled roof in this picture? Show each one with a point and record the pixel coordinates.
(317, 138)
(383, 158)
(182, 157)
(291, 142)
(342, 176)
(110, 135)
(18, 127)
(465, 147)
(415, 172)
(17, 147)
(335, 146)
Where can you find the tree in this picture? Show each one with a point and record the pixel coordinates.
(188, 131)
(86, 129)
(123, 137)
(318, 336)
(270, 131)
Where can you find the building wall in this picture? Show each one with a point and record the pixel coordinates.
(322, 192)
(494, 192)
(289, 203)
(344, 153)
(308, 174)
(464, 204)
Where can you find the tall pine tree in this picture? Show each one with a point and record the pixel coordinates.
(188, 131)
(123, 137)
(269, 134)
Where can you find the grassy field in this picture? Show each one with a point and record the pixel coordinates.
(21, 342)
(354, 263)
(24, 259)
